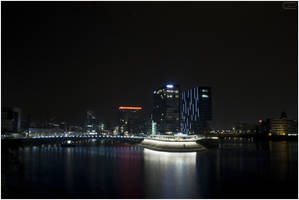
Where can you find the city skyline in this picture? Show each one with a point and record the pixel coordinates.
(149, 100)
(55, 60)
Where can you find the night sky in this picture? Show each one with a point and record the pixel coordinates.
(67, 57)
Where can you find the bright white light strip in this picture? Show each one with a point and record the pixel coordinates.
(168, 143)
(169, 86)
(171, 145)
(149, 151)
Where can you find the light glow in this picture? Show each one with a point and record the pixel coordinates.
(163, 153)
(187, 145)
(129, 108)
(169, 86)
(292, 134)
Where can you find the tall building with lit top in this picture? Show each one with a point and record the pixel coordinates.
(130, 118)
(166, 109)
(196, 110)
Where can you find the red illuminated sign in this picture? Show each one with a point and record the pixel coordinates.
(129, 108)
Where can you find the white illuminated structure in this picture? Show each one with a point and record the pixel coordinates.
(169, 86)
(172, 143)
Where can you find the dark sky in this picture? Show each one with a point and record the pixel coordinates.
(66, 57)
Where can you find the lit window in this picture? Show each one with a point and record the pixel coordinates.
(176, 96)
(176, 91)
(204, 96)
(204, 90)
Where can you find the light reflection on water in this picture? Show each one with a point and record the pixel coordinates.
(238, 169)
(167, 174)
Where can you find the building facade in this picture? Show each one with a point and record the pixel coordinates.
(293, 127)
(284, 126)
(90, 122)
(130, 118)
(263, 127)
(196, 110)
(279, 126)
(10, 120)
(166, 109)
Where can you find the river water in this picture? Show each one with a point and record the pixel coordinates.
(237, 169)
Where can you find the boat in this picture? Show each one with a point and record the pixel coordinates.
(173, 143)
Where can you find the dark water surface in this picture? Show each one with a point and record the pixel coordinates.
(237, 169)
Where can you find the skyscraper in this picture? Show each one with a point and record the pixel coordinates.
(196, 110)
(166, 109)
(130, 118)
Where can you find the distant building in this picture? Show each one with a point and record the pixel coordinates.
(293, 127)
(166, 109)
(147, 125)
(101, 127)
(263, 127)
(52, 121)
(129, 120)
(90, 122)
(243, 128)
(26, 123)
(104, 127)
(53, 131)
(279, 126)
(196, 110)
(10, 120)
(64, 126)
(75, 128)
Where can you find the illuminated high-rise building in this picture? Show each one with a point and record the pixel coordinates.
(166, 109)
(130, 118)
(196, 110)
